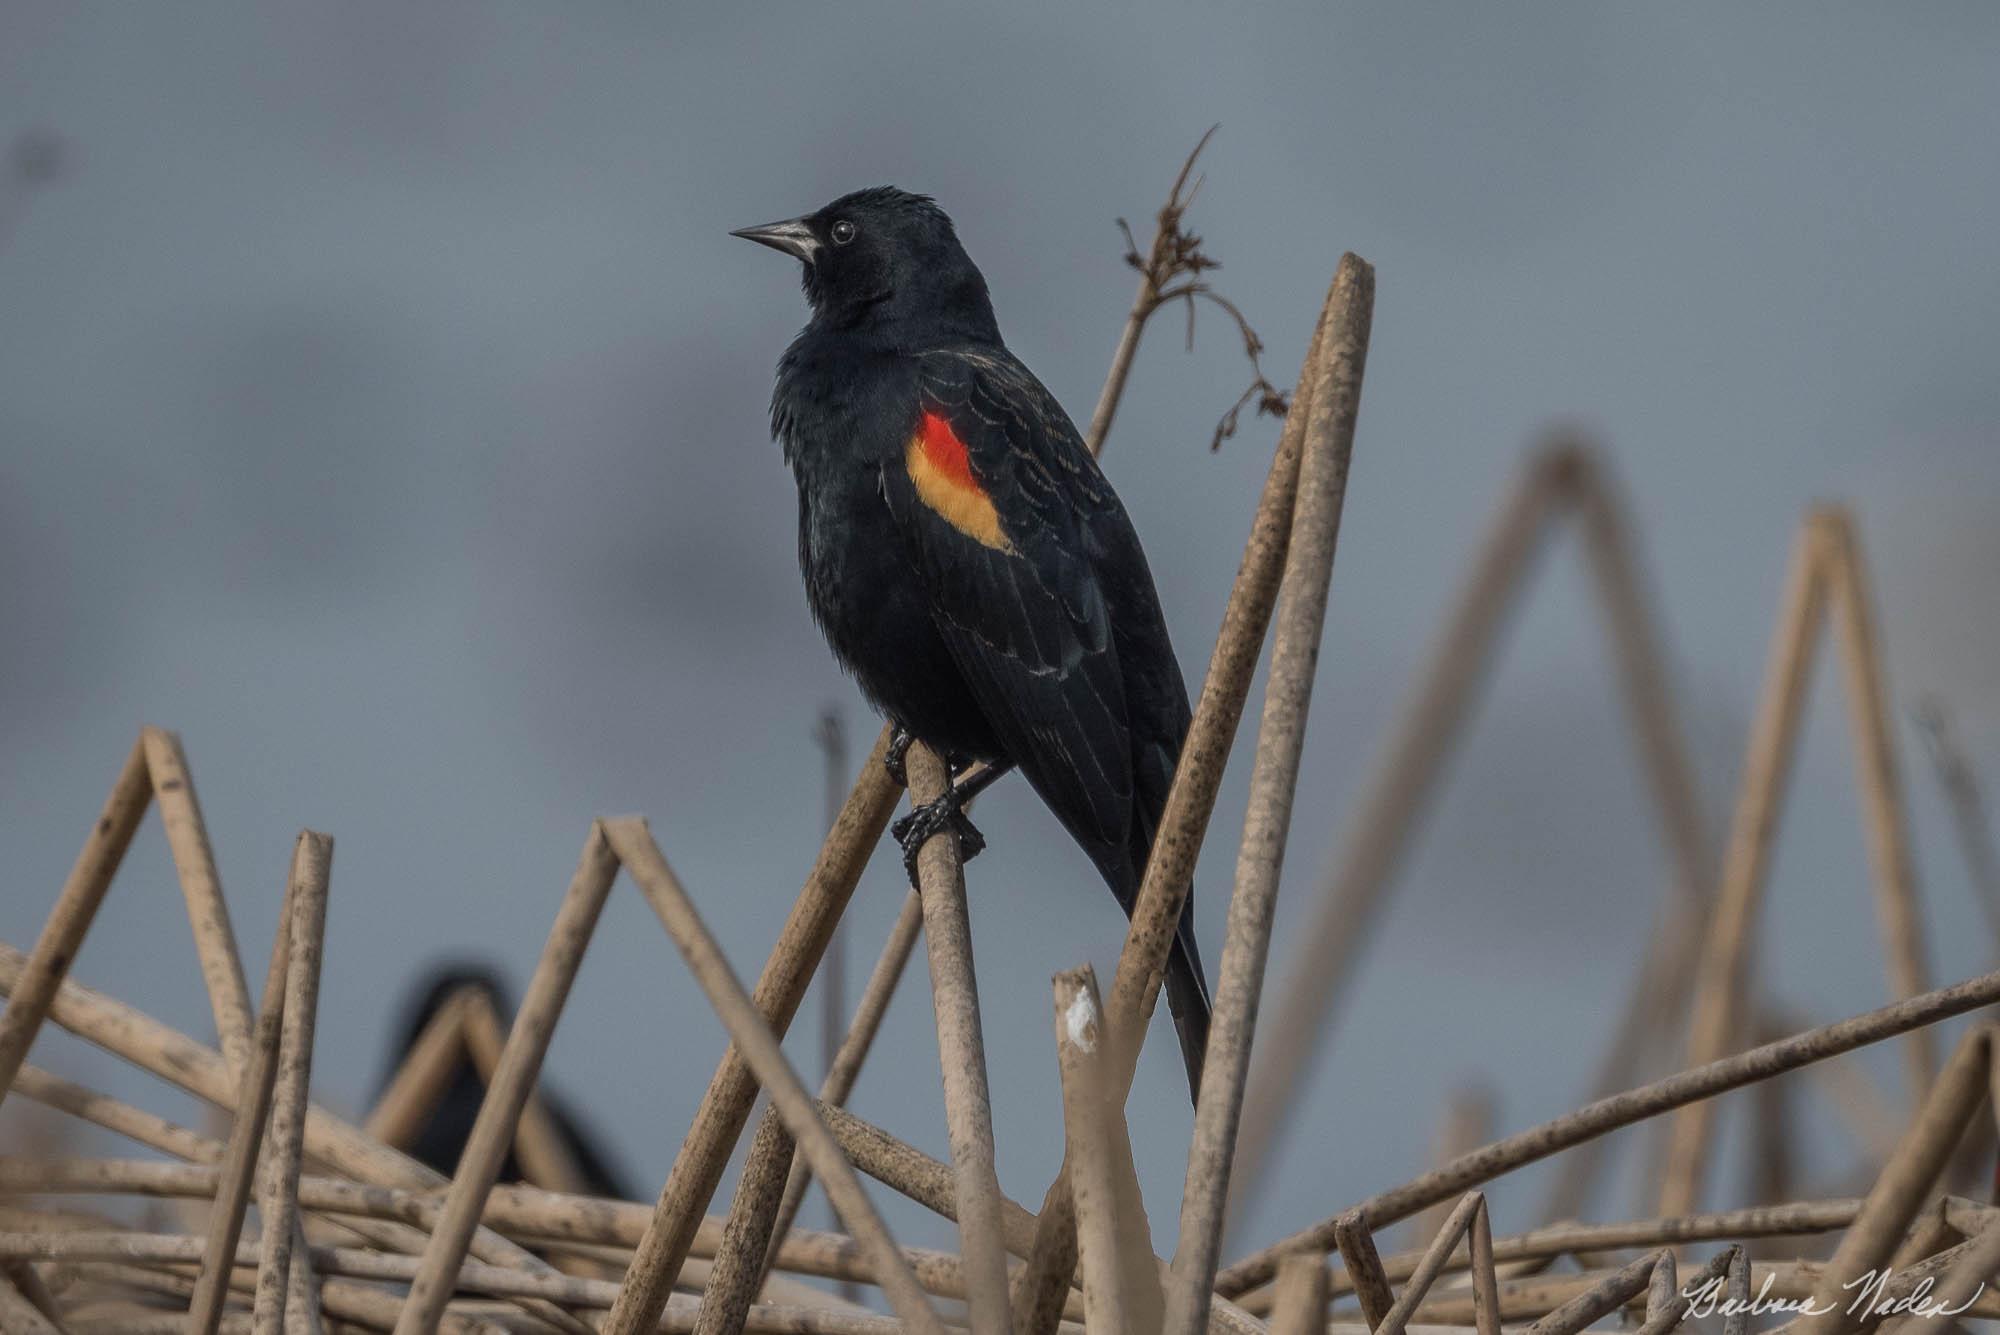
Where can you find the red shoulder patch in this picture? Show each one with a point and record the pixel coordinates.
(942, 472)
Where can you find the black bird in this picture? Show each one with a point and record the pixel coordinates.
(443, 1136)
(969, 563)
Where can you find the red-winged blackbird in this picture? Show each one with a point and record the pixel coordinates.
(967, 560)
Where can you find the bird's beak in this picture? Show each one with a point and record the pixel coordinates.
(792, 236)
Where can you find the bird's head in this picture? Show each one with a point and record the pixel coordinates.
(885, 258)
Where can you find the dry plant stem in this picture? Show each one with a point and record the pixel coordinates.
(426, 1071)
(1040, 1289)
(312, 864)
(759, 1217)
(703, 1155)
(201, 885)
(1722, 979)
(1143, 307)
(1121, 1283)
(1470, 1208)
(1906, 1180)
(33, 991)
(752, 1036)
(1793, 1219)
(1329, 942)
(1595, 1119)
(1602, 1299)
(1961, 1285)
(246, 1135)
(1357, 1248)
(1468, 1124)
(538, 1143)
(1301, 1304)
(1881, 787)
(1826, 562)
(507, 1093)
(18, 1316)
(1659, 992)
(840, 1078)
(961, 1055)
(1322, 489)
(113, 1115)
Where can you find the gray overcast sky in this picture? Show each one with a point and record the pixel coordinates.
(382, 406)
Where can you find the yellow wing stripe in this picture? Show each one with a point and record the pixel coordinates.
(960, 502)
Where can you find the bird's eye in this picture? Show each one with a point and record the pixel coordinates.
(843, 232)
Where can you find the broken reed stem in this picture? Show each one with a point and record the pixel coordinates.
(846, 1068)
(507, 1092)
(1880, 784)
(1721, 978)
(34, 989)
(725, 1107)
(305, 902)
(1595, 1119)
(752, 1036)
(1121, 1282)
(961, 1052)
(1322, 488)
(201, 886)
(246, 1135)
(1042, 1285)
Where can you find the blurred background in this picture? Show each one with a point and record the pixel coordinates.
(382, 407)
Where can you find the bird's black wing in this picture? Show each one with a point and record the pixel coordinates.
(1002, 507)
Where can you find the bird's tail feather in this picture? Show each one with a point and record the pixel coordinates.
(1187, 1001)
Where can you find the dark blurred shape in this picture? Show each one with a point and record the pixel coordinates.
(441, 1138)
(38, 156)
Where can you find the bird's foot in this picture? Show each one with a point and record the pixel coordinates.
(945, 813)
(900, 742)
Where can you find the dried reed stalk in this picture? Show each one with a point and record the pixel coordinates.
(114, 1115)
(19, 1315)
(703, 1155)
(1040, 1289)
(961, 1054)
(305, 903)
(1563, 476)
(201, 886)
(1595, 1119)
(246, 1135)
(1905, 1182)
(1121, 1284)
(846, 1067)
(1825, 561)
(423, 1075)
(1469, 1216)
(1308, 577)
(752, 1035)
(493, 1131)
(33, 989)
